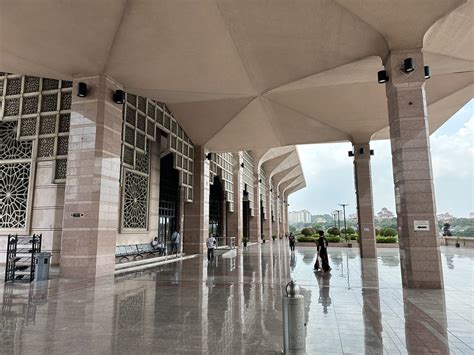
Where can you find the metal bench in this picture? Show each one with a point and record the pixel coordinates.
(136, 250)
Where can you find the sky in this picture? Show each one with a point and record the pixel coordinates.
(330, 178)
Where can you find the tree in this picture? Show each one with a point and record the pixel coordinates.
(388, 232)
(333, 231)
(350, 231)
(307, 232)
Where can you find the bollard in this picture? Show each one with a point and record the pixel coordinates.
(294, 327)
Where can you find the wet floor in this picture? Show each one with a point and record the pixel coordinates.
(233, 306)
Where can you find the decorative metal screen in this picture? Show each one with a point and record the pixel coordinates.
(263, 191)
(248, 179)
(42, 108)
(135, 200)
(15, 172)
(221, 165)
(141, 118)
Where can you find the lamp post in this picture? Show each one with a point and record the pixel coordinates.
(343, 205)
(339, 219)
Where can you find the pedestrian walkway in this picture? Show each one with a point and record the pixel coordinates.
(234, 306)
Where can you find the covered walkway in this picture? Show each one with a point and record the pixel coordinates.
(234, 306)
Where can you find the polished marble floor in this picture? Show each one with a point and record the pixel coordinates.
(233, 306)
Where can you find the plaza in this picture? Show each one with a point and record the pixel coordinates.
(122, 122)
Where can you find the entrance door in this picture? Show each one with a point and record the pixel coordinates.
(215, 210)
(169, 197)
(246, 216)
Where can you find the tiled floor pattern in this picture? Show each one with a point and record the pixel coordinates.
(234, 306)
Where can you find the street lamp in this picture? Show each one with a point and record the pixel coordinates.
(349, 244)
(339, 219)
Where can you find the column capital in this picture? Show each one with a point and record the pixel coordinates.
(362, 151)
(398, 78)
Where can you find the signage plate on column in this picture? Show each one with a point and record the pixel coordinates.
(421, 225)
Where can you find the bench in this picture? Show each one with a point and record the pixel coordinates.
(136, 250)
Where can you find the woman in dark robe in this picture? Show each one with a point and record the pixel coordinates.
(323, 252)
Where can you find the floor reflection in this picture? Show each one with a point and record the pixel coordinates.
(425, 322)
(324, 284)
(234, 306)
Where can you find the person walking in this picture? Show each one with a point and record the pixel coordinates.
(291, 238)
(211, 245)
(175, 239)
(323, 253)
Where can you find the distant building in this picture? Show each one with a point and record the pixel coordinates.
(471, 215)
(302, 216)
(385, 214)
(446, 217)
(353, 217)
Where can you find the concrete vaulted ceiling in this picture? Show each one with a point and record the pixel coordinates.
(250, 75)
(282, 166)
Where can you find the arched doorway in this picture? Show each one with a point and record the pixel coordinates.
(216, 213)
(169, 200)
(246, 216)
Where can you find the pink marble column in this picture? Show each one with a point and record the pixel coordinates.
(365, 205)
(254, 221)
(276, 214)
(409, 135)
(92, 192)
(281, 218)
(196, 213)
(267, 226)
(235, 218)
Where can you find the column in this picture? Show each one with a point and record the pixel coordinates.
(281, 218)
(255, 219)
(276, 213)
(92, 191)
(196, 213)
(365, 205)
(267, 227)
(285, 213)
(409, 135)
(235, 219)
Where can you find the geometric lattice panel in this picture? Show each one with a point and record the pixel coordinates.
(222, 165)
(135, 201)
(141, 118)
(60, 170)
(14, 194)
(10, 147)
(42, 108)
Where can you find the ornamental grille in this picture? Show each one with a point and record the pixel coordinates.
(263, 191)
(141, 118)
(15, 169)
(221, 165)
(248, 180)
(42, 108)
(10, 147)
(135, 200)
(14, 186)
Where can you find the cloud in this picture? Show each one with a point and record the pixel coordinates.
(330, 177)
(453, 154)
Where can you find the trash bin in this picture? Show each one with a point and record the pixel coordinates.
(42, 266)
(294, 326)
